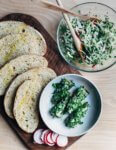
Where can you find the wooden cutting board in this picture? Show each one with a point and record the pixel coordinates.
(56, 63)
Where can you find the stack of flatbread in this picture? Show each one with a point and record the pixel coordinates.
(23, 72)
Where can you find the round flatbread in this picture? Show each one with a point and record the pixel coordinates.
(14, 45)
(46, 75)
(17, 66)
(17, 27)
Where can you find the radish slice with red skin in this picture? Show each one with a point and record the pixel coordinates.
(43, 135)
(51, 136)
(54, 137)
(48, 138)
(37, 136)
(62, 141)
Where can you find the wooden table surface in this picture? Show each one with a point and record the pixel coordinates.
(103, 136)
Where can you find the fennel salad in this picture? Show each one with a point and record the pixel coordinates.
(98, 41)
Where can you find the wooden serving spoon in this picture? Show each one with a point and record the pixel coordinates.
(55, 7)
(76, 39)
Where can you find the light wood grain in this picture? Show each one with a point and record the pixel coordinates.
(103, 136)
(60, 8)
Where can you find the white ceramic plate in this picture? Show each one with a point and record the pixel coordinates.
(57, 124)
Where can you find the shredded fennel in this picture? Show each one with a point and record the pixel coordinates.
(98, 39)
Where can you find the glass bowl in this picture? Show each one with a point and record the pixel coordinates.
(91, 9)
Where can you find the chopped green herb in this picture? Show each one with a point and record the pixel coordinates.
(61, 90)
(76, 116)
(77, 99)
(59, 109)
(67, 103)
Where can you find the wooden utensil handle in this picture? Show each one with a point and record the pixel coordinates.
(61, 9)
(76, 39)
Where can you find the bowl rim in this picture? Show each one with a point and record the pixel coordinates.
(100, 101)
(60, 51)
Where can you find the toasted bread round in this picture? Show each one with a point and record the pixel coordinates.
(16, 27)
(46, 75)
(25, 105)
(18, 66)
(14, 45)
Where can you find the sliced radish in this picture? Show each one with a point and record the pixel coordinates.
(43, 135)
(51, 137)
(62, 141)
(54, 137)
(48, 138)
(37, 136)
